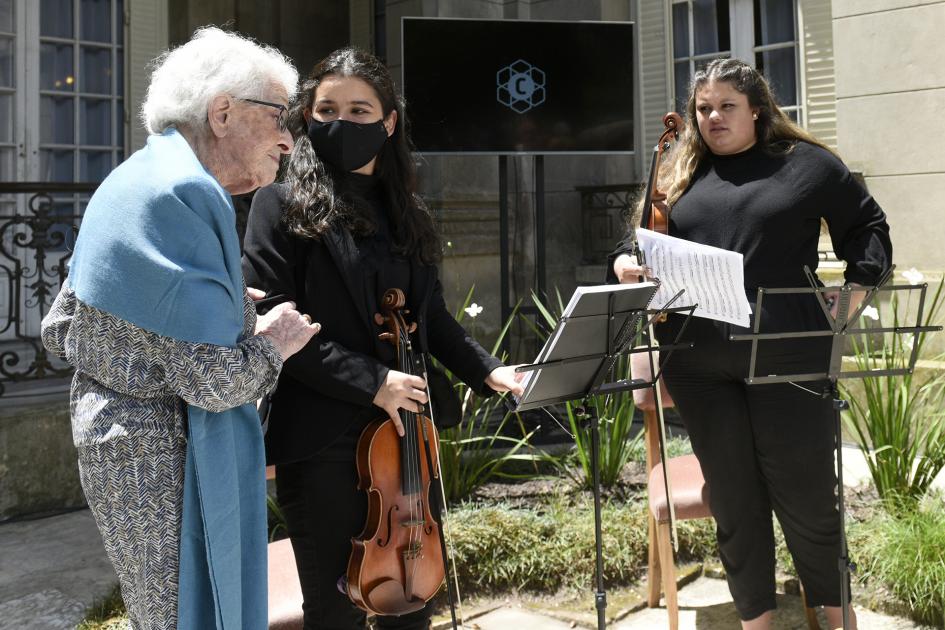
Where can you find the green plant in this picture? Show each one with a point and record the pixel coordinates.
(618, 440)
(550, 545)
(277, 525)
(899, 421)
(106, 613)
(905, 553)
(477, 450)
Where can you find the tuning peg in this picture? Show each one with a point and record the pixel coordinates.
(413, 328)
(386, 336)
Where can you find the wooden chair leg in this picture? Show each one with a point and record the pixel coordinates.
(809, 613)
(654, 575)
(668, 566)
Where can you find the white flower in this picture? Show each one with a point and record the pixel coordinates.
(473, 309)
(913, 276)
(871, 312)
(910, 342)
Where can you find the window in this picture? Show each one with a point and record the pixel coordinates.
(703, 30)
(775, 48)
(701, 33)
(81, 89)
(8, 81)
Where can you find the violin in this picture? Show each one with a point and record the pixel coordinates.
(397, 563)
(655, 216)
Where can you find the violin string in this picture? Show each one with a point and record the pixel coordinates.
(412, 454)
(410, 474)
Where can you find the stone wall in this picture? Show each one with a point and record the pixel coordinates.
(38, 469)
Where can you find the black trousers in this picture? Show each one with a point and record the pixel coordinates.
(324, 510)
(761, 448)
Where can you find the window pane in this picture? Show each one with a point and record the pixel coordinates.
(680, 30)
(120, 72)
(57, 120)
(120, 123)
(6, 16)
(710, 26)
(778, 66)
(120, 23)
(95, 165)
(55, 67)
(55, 18)
(7, 74)
(774, 21)
(96, 20)
(681, 84)
(6, 118)
(8, 164)
(96, 70)
(56, 165)
(95, 121)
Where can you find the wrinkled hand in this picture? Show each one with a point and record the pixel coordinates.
(401, 391)
(506, 379)
(832, 296)
(628, 271)
(288, 329)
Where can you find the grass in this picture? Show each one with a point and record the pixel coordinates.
(107, 613)
(905, 553)
(551, 546)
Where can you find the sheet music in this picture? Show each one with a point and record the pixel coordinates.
(713, 278)
(585, 301)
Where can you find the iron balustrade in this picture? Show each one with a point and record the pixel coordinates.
(38, 224)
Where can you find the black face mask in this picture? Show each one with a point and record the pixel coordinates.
(347, 145)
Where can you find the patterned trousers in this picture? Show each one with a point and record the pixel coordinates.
(134, 486)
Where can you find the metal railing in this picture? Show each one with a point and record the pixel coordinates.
(38, 224)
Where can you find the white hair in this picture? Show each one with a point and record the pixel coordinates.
(184, 80)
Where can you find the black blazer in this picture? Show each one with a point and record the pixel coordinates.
(331, 383)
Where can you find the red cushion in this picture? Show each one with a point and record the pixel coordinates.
(688, 487)
(285, 594)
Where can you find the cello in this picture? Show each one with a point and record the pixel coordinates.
(397, 563)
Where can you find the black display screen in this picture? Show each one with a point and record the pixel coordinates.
(516, 86)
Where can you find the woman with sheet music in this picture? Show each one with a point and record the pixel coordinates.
(747, 179)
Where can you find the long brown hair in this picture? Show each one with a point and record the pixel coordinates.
(775, 132)
(314, 202)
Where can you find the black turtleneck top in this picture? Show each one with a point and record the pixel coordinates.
(383, 269)
(769, 207)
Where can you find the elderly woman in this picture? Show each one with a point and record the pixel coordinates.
(168, 352)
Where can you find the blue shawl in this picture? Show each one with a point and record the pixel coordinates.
(158, 248)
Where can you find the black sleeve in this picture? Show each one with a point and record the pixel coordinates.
(271, 263)
(858, 228)
(453, 347)
(623, 247)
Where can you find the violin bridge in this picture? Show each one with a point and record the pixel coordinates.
(412, 523)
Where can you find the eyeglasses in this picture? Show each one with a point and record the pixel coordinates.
(283, 111)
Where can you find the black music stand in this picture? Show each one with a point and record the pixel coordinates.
(840, 330)
(599, 324)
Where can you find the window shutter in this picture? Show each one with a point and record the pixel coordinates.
(816, 34)
(654, 72)
(147, 38)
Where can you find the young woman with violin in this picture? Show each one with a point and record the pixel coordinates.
(345, 226)
(745, 178)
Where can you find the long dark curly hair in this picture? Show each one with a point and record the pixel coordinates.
(316, 201)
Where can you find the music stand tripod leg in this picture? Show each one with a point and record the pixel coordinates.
(590, 418)
(846, 566)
